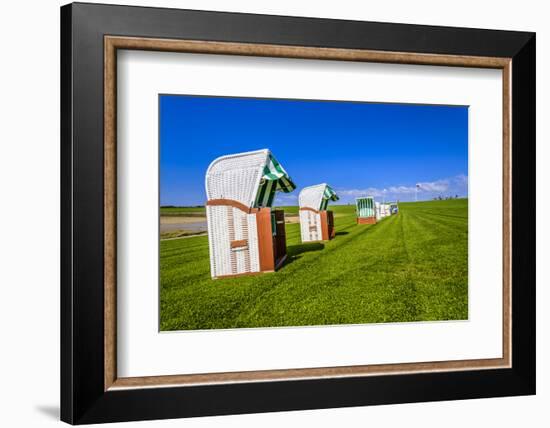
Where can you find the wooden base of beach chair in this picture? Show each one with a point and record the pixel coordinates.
(271, 239)
(327, 225)
(366, 220)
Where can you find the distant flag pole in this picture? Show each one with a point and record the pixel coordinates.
(416, 192)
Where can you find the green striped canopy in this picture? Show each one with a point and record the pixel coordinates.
(328, 195)
(365, 207)
(274, 179)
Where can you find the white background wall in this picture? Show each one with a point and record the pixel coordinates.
(29, 214)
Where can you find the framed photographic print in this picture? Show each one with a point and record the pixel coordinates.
(265, 213)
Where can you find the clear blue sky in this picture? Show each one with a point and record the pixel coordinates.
(359, 149)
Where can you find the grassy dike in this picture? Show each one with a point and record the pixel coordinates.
(409, 267)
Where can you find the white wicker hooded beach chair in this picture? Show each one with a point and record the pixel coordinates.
(245, 236)
(316, 223)
(377, 211)
(366, 210)
(385, 210)
(394, 208)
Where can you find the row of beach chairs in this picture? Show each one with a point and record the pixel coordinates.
(245, 235)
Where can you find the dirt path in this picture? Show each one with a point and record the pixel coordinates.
(191, 224)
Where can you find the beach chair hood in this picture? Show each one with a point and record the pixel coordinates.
(317, 197)
(250, 178)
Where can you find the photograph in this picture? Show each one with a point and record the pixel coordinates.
(293, 212)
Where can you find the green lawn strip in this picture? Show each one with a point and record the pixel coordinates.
(230, 295)
(366, 290)
(408, 267)
(439, 269)
(302, 282)
(234, 295)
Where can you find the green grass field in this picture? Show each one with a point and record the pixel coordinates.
(409, 267)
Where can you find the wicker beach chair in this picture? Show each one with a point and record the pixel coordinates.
(366, 210)
(386, 210)
(245, 235)
(316, 223)
(377, 211)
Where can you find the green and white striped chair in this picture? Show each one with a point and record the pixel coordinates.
(366, 210)
(245, 236)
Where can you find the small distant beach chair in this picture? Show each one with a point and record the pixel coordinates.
(316, 223)
(366, 210)
(245, 235)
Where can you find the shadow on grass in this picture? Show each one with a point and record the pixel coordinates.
(294, 252)
(341, 233)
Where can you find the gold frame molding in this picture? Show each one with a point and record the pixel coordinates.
(113, 43)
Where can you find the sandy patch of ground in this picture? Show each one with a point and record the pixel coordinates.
(181, 219)
(292, 218)
(175, 226)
